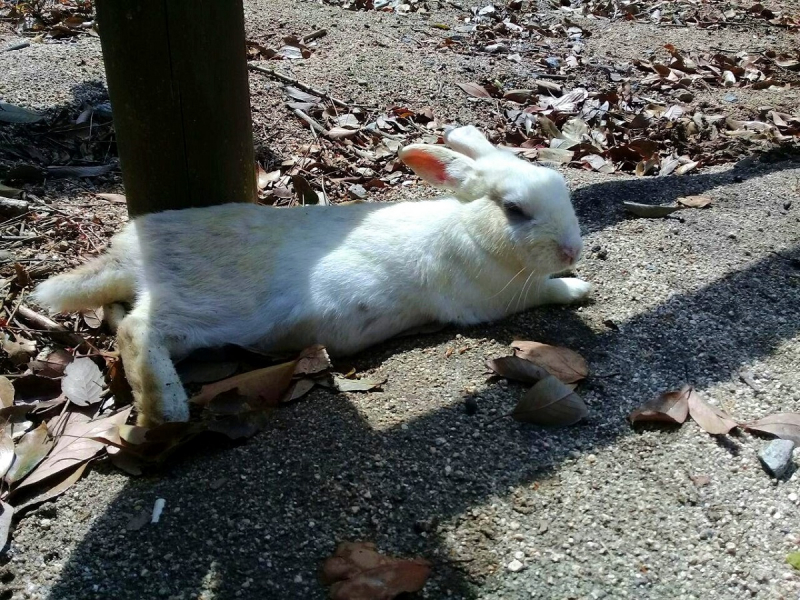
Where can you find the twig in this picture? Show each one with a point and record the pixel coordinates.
(56, 330)
(311, 122)
(298, 84)
(20, 238)
(315, 35)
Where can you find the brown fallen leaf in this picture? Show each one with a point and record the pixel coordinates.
(6, 392)
(552, 403)
(52, 365)
(669, 407)
(93, 317)
(519, 369)
(262, 387)
(74, 444)
(83, 382)
(475, 90)
(19, 350)
(299, 389)
(313, 360)
(196, 371)
(711, 419)
(566, 364)
(649, 211)
(30, 451)
(695, 201)
(56, 487)
(365, 384)
(783, 425)
(359, 572)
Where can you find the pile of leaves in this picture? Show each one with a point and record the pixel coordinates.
(355, 151)
(553, 372)
(621, 129)
(705, 15)
(396, 6)
(54, 19)
(69, 143)
(68, 406)
(674, 407)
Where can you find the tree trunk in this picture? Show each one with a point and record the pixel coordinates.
(177, 78)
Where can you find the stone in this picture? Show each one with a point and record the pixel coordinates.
(776, 457)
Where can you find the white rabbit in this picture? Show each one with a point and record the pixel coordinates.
(346, 277)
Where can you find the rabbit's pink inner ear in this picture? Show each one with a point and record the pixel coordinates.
(425, 164)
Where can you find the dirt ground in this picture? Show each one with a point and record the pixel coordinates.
(598, 510)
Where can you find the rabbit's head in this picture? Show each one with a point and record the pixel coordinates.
(524, 205)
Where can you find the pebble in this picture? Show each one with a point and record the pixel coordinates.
(776, 457)
(793, 497)
(515, 566)
(519, 555)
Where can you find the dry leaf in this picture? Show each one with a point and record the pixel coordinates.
(695, 201)
(669, 407)
(262, 387)
(783, 425)
(359, 572)
(53, 365)
(649, 211)
(6, 392)
(6, 451)
(315, 359)
(519, 369)
(83, 382)
(197, 371)
(74, 444)
(93, 317)
(566, 364)
(474, 90)
(556, 155)
(11, 113)
(30, 451)
(20, 350)
(50, 492)
(365, 384)
(710, 418)
(550, 402)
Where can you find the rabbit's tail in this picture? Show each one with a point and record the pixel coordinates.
(103, 280)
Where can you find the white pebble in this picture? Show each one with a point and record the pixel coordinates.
(158, 508)
(519, 555)
(515, 566)
(792, 497)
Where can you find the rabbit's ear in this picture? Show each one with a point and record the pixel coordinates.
(439, 166)
(468, 140)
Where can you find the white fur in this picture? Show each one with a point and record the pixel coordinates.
(346, 277)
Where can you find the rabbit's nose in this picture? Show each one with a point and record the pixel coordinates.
(569, 253)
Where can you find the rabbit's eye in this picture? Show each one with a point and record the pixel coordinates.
(514, 210)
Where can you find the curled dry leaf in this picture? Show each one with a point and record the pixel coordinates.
(566, 364)
(783, 425)
(518, 369)
(83, 382)
(649, 211)
(710, 418)
(52, 365)
(20, 350)
(365, 384)
(695, 201)
(359, 572)
(550, 402)
(669, 407)
(116, 198)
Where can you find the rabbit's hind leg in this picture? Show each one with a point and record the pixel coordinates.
(113, 315)
(146, 357)
(565, 290)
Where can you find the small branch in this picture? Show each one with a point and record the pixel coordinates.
(298, 84)
(56, 331)
(14, 207)
(311, 122)
(315, 35)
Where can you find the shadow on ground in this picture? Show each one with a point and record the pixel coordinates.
(255, 521)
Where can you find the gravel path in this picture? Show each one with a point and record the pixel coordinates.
(593, 511)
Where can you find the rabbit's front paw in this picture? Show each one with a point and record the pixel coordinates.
(566, 290)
